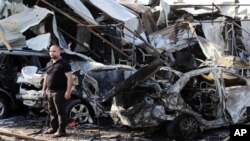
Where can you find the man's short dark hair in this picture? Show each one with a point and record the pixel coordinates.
(56, 46)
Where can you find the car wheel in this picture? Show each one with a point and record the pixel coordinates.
(79, 111)
(184, 128)
(4, 108)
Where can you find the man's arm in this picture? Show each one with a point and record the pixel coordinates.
(44, 86)
(69, 85)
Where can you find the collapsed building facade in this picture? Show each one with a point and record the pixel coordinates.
(182, 61)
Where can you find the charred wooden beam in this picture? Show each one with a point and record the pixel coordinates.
(20, 136)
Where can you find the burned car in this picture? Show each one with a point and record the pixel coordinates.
(21, 86)
(91, 80)
(10, 67)
(190, 102)
(92, 87)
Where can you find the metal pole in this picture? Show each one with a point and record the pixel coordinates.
(241, 28)
(212, 19)
(209, 21)
(191, 5)
(101, 26)
(93, 32)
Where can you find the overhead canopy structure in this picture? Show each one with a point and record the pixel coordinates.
(133, 29)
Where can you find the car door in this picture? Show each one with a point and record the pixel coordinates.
(237, 95)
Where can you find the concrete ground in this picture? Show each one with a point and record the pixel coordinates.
(33, 126)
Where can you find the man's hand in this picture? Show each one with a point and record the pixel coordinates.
(44, 94)
(67, 95)
(69, 85)
(44, 87)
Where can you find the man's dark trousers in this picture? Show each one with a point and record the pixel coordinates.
(56, 106)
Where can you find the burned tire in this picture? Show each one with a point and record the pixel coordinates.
(184, 128)
(4, 108)
(79, 111)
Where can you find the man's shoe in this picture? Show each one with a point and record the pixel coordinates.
(58, 134)
(49, 131)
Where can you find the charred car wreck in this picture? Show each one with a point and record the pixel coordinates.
(194, 101)
(91, 80)
(11, 65)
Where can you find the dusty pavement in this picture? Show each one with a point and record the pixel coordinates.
(32, 126)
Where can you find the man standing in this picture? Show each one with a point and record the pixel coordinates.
(57, 85)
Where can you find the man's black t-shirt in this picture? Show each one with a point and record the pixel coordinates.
(56, 78)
